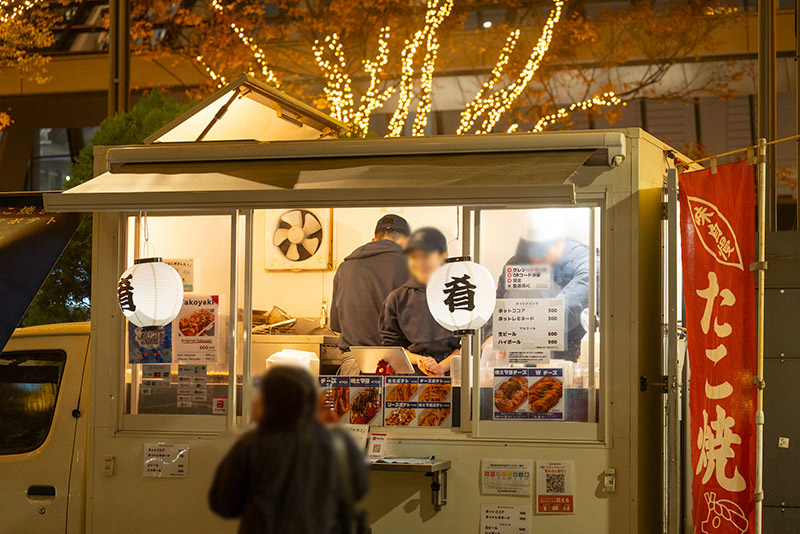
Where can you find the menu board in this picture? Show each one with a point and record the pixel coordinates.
(418, 401)
(527, 277)
(535, 394)
(196, 335)
(529, 324)
(165, 460)
(351, 399)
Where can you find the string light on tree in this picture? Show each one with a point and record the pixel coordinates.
(417, 67)
(492, 105)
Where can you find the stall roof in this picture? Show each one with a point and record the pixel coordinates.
(248, 109)
(406, 171)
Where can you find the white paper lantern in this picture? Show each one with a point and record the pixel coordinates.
(150, 293)
(461, 295)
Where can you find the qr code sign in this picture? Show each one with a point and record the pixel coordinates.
(556, 483)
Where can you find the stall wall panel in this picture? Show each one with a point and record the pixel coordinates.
(128, 502)
(400, 503)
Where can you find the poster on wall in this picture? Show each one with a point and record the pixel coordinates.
(185, 268)
(149, 346)
(717, 233)
(505, 519)
(506, 477)
(529, 324)
(555, 487)
(422, 401)
(196, 329)
(166, 460)
(534, 394)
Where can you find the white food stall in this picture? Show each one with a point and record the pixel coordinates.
(209, 194)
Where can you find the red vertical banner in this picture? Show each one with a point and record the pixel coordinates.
(718, 234)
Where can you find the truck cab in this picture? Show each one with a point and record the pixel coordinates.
(43, 429)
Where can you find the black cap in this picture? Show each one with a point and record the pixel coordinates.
(393, 223)
(428, 239)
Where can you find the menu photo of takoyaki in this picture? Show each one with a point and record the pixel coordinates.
(365, 405)
(334, 403)
(545, 394)
(198, 323)
(510, 393)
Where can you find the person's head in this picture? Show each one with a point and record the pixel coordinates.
(426, 250)
(394, 228)
(288, 398)
(543, 236)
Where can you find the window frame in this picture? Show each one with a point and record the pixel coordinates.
(241, 265)
(62, 359)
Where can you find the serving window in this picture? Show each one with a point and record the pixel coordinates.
(534, 371)
(184, 368)
(540, 353)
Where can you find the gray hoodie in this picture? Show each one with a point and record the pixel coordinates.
(362, 283)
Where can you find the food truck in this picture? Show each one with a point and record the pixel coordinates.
(255, 202)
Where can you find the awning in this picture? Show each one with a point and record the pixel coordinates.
(31, 241)
(285, 175)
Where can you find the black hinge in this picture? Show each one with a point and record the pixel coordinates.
(664, 211)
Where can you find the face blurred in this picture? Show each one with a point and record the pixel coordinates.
(553, 255)
(423, 264)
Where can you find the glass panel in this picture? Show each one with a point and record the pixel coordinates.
(185, 370)
(303, 299)
(29, 383)
(540, 357)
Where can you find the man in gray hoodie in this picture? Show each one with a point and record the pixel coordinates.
(362, 283)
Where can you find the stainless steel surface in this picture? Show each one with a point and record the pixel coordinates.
(673, 424)
(233, 313)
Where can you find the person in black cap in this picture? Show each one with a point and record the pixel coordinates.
(362, 283)
(406, 320)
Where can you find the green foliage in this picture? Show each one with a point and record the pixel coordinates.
(64, 296)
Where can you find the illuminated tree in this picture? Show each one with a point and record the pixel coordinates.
(354, 58)
(24, 26)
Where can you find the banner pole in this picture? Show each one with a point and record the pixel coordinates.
(760, 272)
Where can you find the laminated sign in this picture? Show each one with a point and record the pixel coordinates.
(529, 393)
(196, 336)
(529, 324)
(351, 399)
(555, 487)
(166, 460)
(418, 401)
(717, 232)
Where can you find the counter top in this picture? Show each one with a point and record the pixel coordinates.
(431, 467)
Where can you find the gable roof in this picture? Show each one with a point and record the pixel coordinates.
(249, 110)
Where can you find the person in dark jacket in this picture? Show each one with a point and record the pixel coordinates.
(544, 241)
(362, 283)
(283, 477)
(406, 320)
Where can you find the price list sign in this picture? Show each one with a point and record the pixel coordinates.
(527, 277)
(505, 519)
(529, 324)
